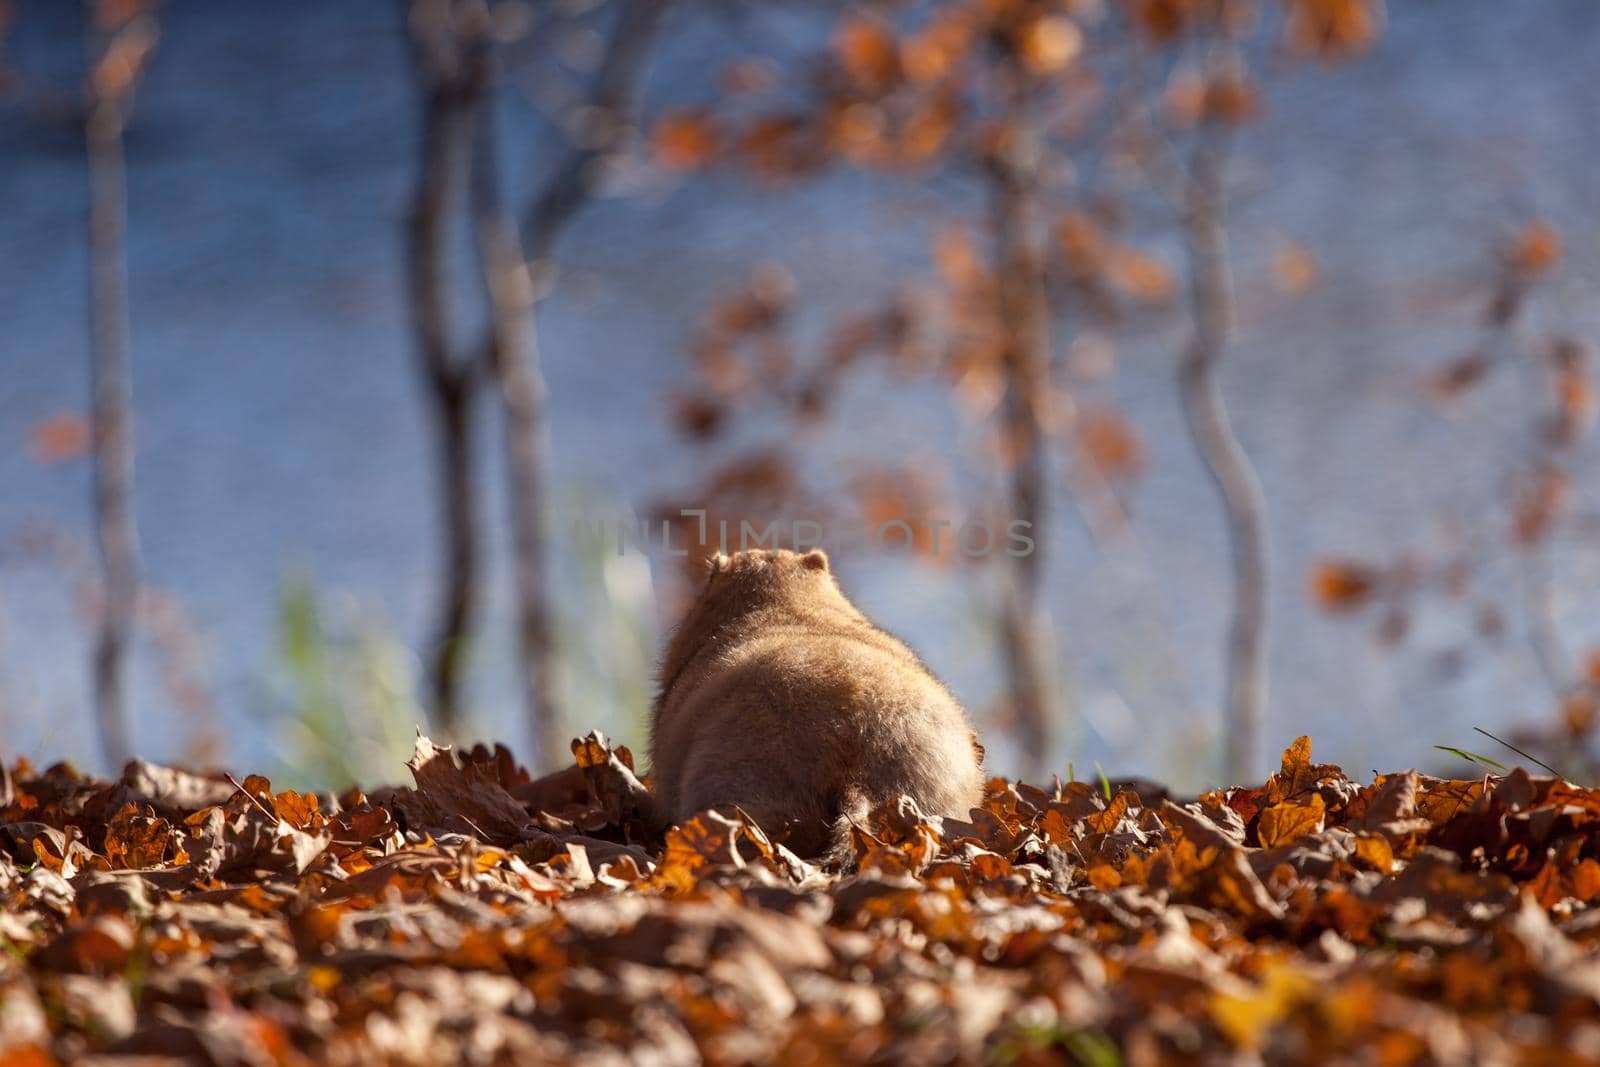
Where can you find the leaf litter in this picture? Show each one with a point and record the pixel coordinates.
(481, 915)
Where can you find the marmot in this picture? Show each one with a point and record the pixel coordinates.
(778, 696)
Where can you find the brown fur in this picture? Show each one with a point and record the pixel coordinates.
(778, 696)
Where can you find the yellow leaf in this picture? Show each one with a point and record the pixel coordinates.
(1294, 268)
(1375, 852)
(1050, 44)
(1284, 823)
(1245, 1018)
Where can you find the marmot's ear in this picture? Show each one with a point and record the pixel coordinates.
(815, 560)
(718, 563)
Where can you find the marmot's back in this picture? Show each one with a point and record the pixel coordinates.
(779, 697)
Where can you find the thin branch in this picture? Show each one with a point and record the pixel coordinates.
(510, 257)
(515, 368)
(453, 92)
(607, 118)
(116, 59)
(452, 49)
(1024, 313)
(1239, 488)
(251, 797)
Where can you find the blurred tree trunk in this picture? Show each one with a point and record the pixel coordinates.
(1243, 503)
(452, 48)
(119, 45)
(1024, 316)
(511, 262)
(513, 362)
(453, 92)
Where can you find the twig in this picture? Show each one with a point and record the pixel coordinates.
(251, 797)
(1235, 478)
(611, 102)
(1022, 309)
(117, 58)
(509, 257)
(864, 832)
(454, 88)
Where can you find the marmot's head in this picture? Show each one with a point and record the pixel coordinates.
(747, 582)
(755, 567)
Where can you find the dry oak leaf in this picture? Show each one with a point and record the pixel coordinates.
(136, 839)
(1299, 776)
(1390, 807)
(708, 840)
(481, 807)
(1285, 823)
(608, 770)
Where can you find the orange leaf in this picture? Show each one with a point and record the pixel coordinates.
(1141, 276)
(1536, 249)
(1231, 98)
(684, 140)
(1375, 851)
(1081, 243)
(1585, 880)
(1546, 886)
(1540, 500)
(1163, 20)
(136, 840)
(1050, 44)
(1286, 823)
(1109, 442)
(1340, 585)
(26, 1056)
(1333, 29)
(59, 438)
(1294, 268)
(866, 50)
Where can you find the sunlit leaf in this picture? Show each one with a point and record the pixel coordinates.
(1342, 585)
(1294, 268)
(59, 438)
(685, 140)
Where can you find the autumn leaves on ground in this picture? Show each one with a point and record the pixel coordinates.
(486, 917)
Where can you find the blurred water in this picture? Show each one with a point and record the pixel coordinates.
(280, 428)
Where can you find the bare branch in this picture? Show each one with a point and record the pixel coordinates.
(1243, 502)
(1024, 313)
(513, 357)
(116, 59)
(451, 46)
(607, 116)
(453, 93)
(510, 350)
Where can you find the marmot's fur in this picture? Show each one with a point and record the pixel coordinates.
(778, 696)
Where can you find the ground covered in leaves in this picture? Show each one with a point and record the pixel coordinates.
(483, 916)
